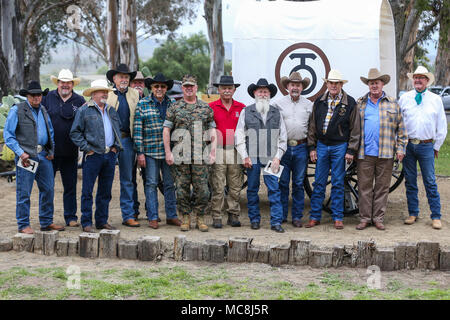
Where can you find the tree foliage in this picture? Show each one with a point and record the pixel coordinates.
(180, 56)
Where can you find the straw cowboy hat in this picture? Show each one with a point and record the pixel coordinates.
(121, 68)
(65, 75)
(422, 71)
(33, 88)
(96, 85)
(374, 74)
(262, 83)
(295, 77)
(139, 76)
(334, 76)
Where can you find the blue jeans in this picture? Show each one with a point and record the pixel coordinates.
(153, 167)
(24, 185)
(294, 160)
(329, 157)
(103, 167)
(424, 153)
(68, 167)
(274, 195)
(135, 192)
(127, 158)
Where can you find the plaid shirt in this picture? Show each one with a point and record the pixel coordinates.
(148, 128)
(393, 137)
(332, 103)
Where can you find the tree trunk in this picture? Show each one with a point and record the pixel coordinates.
(213, 17)
(128, 43)
(12, 43)
(442, 69)
(112, 33)
(32, 69)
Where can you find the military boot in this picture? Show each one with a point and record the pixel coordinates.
(186, 225)
(201, 224)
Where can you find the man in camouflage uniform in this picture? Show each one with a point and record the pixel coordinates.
(186, 123)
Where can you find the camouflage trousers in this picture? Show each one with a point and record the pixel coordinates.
(186, 175)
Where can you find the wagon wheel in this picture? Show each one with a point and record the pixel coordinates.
(351, 186)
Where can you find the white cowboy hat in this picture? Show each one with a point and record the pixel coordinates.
(96, 85)
(66, 76)
(422, 71)
(334, 76)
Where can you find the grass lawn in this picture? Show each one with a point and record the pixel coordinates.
(442, 163)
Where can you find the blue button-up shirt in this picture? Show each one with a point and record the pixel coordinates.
(162, 106)
(372, 128)
(123, 110)
(109, 134)
(9, 132)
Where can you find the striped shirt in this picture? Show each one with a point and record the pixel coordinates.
(332, 103)
(148, 128)
(392, 136)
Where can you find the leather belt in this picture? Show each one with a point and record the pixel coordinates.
(293, 143)
(417, 141)
(107, 149)
(125, 134)
(39, 148)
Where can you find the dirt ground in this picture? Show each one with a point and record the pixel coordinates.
(323, 235)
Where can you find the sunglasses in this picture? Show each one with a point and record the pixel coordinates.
(34, 95)
(158, 86)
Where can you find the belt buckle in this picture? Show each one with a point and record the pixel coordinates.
(292, 143)
(415, 141)
(107, 149)
(39, 148)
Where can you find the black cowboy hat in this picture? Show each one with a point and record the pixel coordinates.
(121, 68)
(226, 81)
(262, 83)
(159, 78)
(33, 88)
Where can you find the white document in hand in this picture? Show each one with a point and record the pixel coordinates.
(32, 167)
(268, 170)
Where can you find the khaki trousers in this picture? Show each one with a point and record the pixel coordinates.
(374, 179)
(226, 171)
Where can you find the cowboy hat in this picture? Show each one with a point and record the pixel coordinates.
(334, 76)
(374, 74)
(96, 85)
(422, 71)
(226, 81)
(121, 68)
(159, 78)
(33, 88)
(262, 83)
(295, 77)
(65, 75)
(139, 76)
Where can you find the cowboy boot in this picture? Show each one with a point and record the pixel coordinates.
(186, 224)
(201, 224)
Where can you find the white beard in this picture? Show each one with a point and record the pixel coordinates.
(262, 105)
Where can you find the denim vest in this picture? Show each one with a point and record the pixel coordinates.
(262, 145)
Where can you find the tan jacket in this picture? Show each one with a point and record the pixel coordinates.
(132, 99)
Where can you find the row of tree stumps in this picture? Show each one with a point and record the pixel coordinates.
(108, 244)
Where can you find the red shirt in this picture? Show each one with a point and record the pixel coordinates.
(226, 120)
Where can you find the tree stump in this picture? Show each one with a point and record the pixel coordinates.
(405, 255)
(178, 245)
(62, 247)
(428, 255)
(23, 242)
(72, 250)
(215, 251)
(38, 242)
(299, 252)
(89, 245)
(320, 258)
(193, 251)
(258, 254)
(45, 242)
(149, 248)
(128, 250)
(6, 245)
(279, 254)
(384, 259)
(238, 249)
(109, 240)
(364, 253)
(444, 259)
(338, 256)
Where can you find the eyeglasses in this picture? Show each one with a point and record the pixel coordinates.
(158, 86)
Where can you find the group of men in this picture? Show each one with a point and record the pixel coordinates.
(185, 143)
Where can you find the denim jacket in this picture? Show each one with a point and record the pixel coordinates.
(87, 129)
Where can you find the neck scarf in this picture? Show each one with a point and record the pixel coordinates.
(419, 96)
